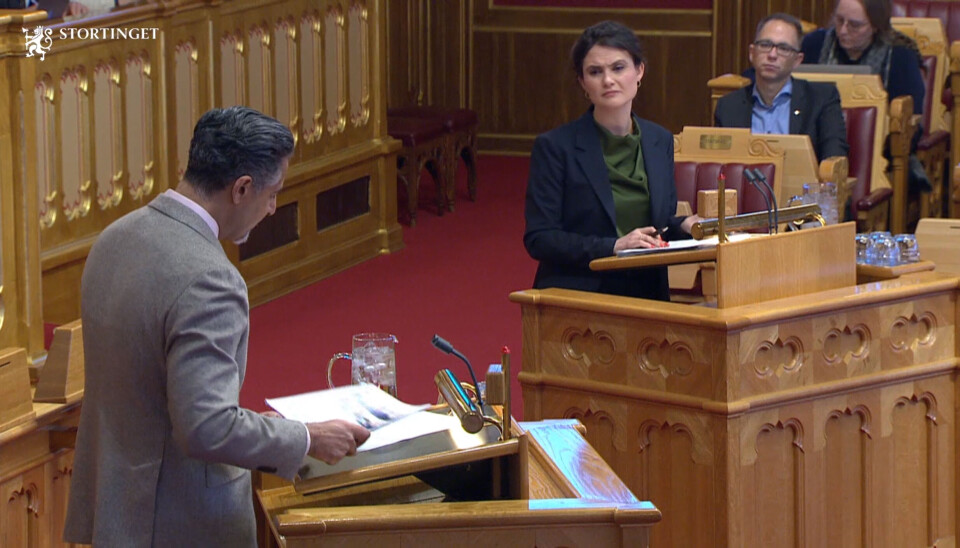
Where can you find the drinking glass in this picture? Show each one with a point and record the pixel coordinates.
(909, 250)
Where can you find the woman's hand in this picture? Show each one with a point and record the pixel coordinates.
(639, 238)
(687, 223)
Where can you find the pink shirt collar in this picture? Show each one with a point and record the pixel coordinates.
(196, 208)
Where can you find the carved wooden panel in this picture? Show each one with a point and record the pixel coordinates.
(259, 70)
(187, 98)
(676, 469)
(108, 144)
(773, 485)
(358, 57)
(334, 68)
(75, 141)
(232, 71)
(44, 95)
(311, 104)
(286, 82)
(846, 473)
(139, 125)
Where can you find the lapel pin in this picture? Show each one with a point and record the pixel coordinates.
(796, 113)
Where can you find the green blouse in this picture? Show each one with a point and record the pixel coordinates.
(628, 178)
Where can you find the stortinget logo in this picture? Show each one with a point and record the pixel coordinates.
(40, 41)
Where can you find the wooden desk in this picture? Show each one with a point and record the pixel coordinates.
(824, 419)
(36, 462)
(574, 499)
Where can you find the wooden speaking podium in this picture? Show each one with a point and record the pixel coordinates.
(802, 409)
(544, 487)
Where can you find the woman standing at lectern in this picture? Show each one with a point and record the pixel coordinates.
(603, 182)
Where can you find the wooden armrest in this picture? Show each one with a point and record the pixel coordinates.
(834, 169)
(903, 124)
(955, 60)
(808, 26)
(729, 82)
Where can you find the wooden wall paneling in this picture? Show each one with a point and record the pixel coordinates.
(447, 41)
(525, 85)
(21, 321)
(95, 105)
(406, 52)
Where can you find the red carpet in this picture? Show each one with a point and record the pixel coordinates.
(452, 278)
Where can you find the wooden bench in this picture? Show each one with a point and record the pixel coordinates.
(423, 148)
(460, 141)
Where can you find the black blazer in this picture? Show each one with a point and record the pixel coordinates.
(570, 217)
(814, 110)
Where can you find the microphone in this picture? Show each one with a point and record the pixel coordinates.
(447, 348)
(773, 197)
(752, 179)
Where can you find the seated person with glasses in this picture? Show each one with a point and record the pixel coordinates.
(778, 103)
(860, 34)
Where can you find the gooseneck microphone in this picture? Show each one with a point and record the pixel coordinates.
(444, 346)
(752, 179)
(773, 197)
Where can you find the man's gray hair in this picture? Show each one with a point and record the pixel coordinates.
(232, 142)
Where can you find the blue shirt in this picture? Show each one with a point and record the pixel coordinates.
(773, 118)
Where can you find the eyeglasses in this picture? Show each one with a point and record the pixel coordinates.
(783, 50)
(852, 25)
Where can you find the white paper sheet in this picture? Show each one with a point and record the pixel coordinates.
(388, 419)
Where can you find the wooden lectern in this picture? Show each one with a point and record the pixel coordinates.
(544, 487)
(801, 410)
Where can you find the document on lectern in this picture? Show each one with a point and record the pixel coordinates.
(388, 419)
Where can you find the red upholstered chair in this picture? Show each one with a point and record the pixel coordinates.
(876, 200)
(460, 141)
(948, 12)
(692, 177)
(423, 148)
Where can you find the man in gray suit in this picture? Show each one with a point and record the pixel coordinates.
(164, 449)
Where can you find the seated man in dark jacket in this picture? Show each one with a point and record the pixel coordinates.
(779, 103)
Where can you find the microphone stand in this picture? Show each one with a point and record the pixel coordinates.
(442, 345)
(773, 197)
(752, 179)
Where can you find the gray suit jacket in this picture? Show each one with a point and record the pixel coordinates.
(163, 446)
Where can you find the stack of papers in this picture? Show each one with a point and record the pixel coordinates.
(678, 245)
(388, 419)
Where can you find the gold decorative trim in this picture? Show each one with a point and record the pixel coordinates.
(75, 81)
(44, 97)
(361, 115)
(139, 102)
(336, 120)
(186, 72)
(864, 92)
(286, 54)
(110, 114)
(311, 60)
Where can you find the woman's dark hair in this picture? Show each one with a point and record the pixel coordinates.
(878, 13)
(610, 34)
(232, 142)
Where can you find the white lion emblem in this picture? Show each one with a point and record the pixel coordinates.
(39, 41)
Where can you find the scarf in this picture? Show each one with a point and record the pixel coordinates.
(877, 55)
